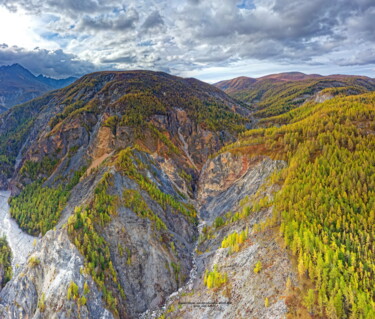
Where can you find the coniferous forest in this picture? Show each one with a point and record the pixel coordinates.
(325, 209)
(141, 185)
(187, 159)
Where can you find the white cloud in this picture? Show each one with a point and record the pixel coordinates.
(19, 29)
(208, 39)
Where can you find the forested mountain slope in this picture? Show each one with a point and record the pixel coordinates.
(148, 198)
(276, 94)
(111, 162)
(325, 207)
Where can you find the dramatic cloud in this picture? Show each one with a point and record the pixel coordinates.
(153, 20)
(119, 21)
(40, 61)
(196, 37)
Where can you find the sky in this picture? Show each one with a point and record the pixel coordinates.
(211, 40)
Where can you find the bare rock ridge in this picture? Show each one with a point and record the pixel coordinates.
(39, 288)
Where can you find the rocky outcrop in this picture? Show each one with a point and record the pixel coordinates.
(321, 97)
(85, 128)
(228, 178)
(226, 181)
(39, 289)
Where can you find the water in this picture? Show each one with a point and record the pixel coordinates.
(20, 243)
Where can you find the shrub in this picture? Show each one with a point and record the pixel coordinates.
(266, 303)
(214, 278)
(258, 267)
(73, 291)
(34, 261)
(234, 241)
(41, 303)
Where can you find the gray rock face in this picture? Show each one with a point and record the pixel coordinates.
(145, 267)
(39, 289)
(224, 182)
(226, 179)
(320, 98)
(151, 263)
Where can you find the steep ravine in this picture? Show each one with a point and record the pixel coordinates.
(224, 182)
(149, 238)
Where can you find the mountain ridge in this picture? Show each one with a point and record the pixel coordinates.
(150, 196)
(18, 85)
(136, 138)
(275, 94)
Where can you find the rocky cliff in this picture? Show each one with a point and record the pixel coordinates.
(105, 173)
(130, 201)
(229, 187)
(39, 288)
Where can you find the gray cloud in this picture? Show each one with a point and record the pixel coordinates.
(115, 22)
(153, 20)
(71, 7)
(124, 59)
(367, 56)
(193, 34)
(39, 61)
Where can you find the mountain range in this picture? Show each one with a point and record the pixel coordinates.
(140, 194)
(275, 94)
(18, 85)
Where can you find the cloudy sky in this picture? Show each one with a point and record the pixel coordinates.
(207, 39)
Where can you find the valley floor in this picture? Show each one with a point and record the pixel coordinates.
(20, 243)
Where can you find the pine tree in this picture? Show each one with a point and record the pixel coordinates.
(266, 302)
(310, 300)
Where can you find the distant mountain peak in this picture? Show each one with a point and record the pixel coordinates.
(17, 65)
(16, 68)
(18, 85)
(235, 84)
(290, 76)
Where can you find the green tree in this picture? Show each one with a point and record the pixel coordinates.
(258, 267)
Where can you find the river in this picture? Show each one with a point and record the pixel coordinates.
(20, 243)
